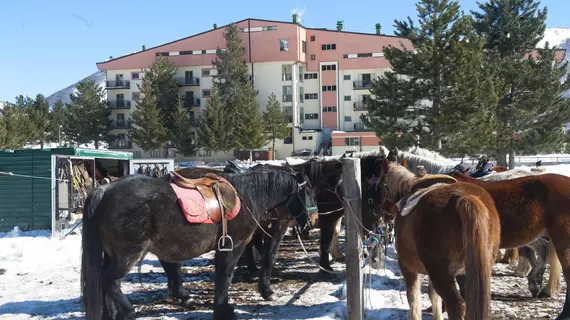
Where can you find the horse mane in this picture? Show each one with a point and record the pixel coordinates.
(428, 154)
(398, 180)
(432, 166)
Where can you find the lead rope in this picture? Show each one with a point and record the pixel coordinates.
(309, 257)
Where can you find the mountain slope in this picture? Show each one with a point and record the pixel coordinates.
(63, 94)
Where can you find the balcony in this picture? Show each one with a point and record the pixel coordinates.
(361, 84)
(188, 81)
(119, 104)
(286, 76)
(118, 84)
(358, 106)
(120, 125)
(121, 144)
(359, 126)
(189, 103)
(287, 98)
(289, 118)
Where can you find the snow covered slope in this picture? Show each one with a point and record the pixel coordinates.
(64, 93)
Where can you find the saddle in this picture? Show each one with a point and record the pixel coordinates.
(219, 196)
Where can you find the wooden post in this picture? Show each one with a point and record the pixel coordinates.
(352, 208)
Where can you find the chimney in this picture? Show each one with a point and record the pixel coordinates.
(378, 28)
(339, 25)
(215, 26)
(295, 18)
(143, 47)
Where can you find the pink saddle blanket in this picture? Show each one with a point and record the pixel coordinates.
(194, 206)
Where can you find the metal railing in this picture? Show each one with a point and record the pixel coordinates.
(286, 76)
(189, 103)
(120, 124)
(362, 84)
(183, 81)
(358, 106)
(287, 98)
(118, 84)
(120, 144)
(119, 104)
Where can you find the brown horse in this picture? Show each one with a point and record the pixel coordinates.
(530, 207)
(453, 229)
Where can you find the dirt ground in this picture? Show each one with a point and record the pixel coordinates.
(293, 275)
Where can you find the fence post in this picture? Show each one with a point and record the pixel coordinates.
(352, 211)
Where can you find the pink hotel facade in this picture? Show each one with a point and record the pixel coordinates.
(320, 76)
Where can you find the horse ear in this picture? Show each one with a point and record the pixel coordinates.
(385, 164)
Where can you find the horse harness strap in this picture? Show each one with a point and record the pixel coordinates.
(219, 196)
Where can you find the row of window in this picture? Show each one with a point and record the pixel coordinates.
(187, 74)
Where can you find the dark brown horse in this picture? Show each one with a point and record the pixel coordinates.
(453, 228)
(530, 207)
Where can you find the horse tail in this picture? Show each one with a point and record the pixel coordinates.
(475, 223)
(553, 288)
(92, 257)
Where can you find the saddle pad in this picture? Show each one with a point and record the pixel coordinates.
(194, 206)
(406, 206)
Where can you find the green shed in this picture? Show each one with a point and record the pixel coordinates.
(29, 183)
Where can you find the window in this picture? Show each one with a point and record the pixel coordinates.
(347, 119)
(328, 46)
(345, 56)
(310, 75)
(364, 55)
(329, 88)
(135, 76)
(203, 51)
(206, 93)
(312, 38)
(162, 54)
(313, 57)
(205, 72)
(328, 67)
(311, 96)
(311, 115)
(329, 109)
(301, 94)
(352, 141)
(307, 138)
(284, 45)
(135, 96)
(120, 97)
(186, 53)
(347, 77)
(304, 46)
(287, 93)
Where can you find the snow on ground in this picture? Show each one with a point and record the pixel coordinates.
(39, 279)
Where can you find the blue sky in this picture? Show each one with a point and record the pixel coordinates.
(48, 45)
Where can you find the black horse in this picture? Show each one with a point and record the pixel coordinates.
(331, 210)
(137, 214)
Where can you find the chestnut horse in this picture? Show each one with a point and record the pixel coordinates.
(530, 207)
(453, 229)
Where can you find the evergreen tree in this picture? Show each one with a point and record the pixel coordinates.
(88, 114)
(39, 120)
(57, 119)
(275, 121)
(249, 127)
(148, 129)
(212, 131)
(16, 123)
(530, 110)
(183, 133)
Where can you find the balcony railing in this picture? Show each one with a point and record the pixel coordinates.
(118, 84)
(289, 119)
(119, 104)
(287, 98)
(359, 126)
(286, 76)
(120, 144)
(121, 125)
(189, 103)
(358, 106)
(188, 81)
(362, 84)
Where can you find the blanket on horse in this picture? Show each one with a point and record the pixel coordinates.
(405, 206)
(197, 208)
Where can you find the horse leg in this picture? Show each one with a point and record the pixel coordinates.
(444, 286)
(225, 263)
(511, 255)
(175, 282)
(271, 246)
(327, 223)
(558, 234)
(117, 306)
(336, 254)
(553, 287)
(523, 267)
(414, 294)
(537, 253)
(436, 303)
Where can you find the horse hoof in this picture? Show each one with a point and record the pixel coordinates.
(543, 294)
(271, 297)
(224, 312)
(519, 275)
(187, 303)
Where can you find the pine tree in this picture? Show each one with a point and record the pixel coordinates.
(88, 114)
(148, 129)
(530, 111)
(161, 77)
(212, 131)
(249, 129)
(57, 119)
(183, 133)
(275, 121)
(418, 101)
(16, 123)
(39, 120)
